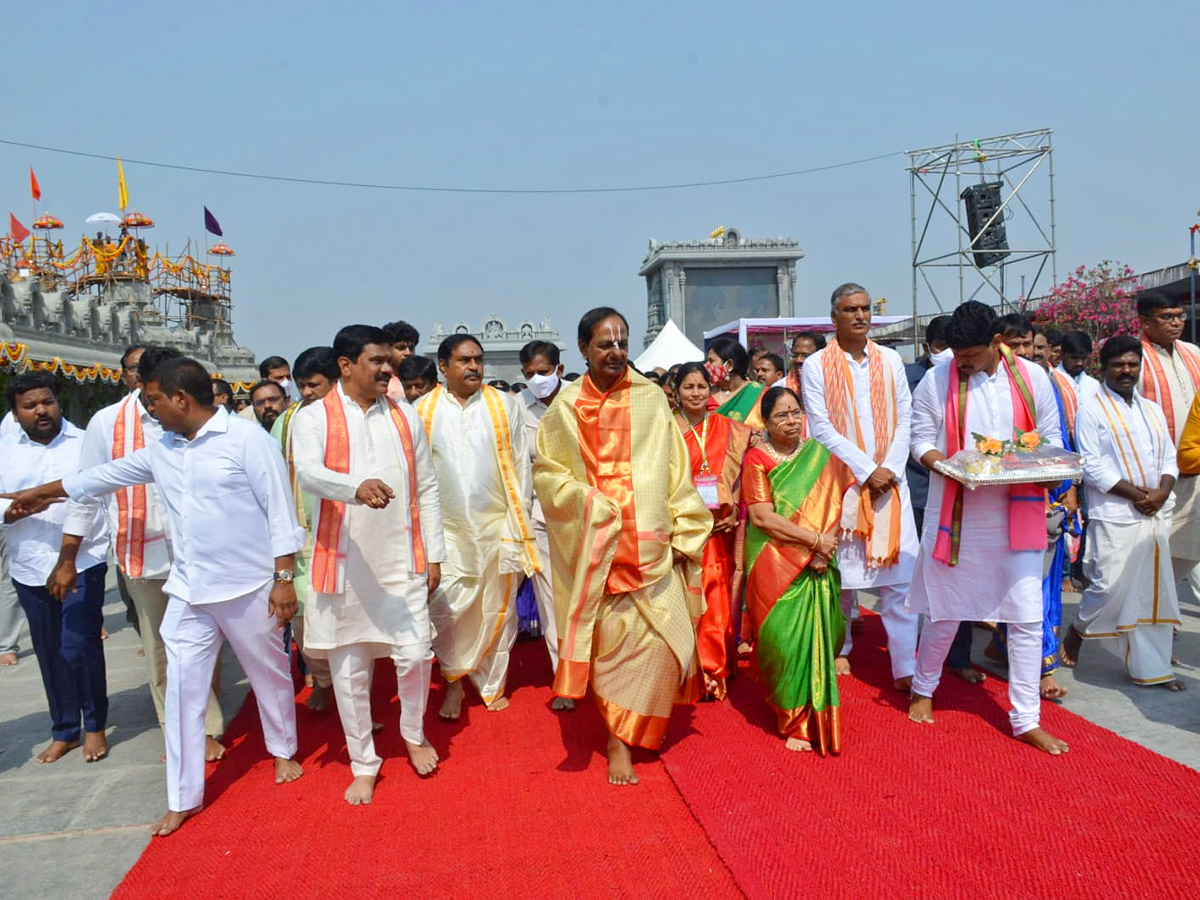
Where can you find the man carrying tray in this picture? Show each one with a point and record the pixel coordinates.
(982, 550)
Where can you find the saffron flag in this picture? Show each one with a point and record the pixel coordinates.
(18, 231)
(211, 225)
(122, 194)
(34, 188)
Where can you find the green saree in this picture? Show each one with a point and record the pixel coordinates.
(796, 611)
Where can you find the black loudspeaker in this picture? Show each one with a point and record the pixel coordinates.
(991, 243)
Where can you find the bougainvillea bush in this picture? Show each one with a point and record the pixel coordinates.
(1100, 301)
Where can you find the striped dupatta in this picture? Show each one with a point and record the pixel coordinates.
(860, 514)
(1027, 503)
(327, 576)
(1156, 383)
(128, 438)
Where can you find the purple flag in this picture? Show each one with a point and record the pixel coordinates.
(211, 225)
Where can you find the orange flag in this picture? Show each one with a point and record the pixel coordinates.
(18, 231)
(34, 188)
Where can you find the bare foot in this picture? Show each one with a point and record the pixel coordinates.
(56, 750)
(214, 750)
(795, 743)
(920, 709)
(452, 705)
(498, 704)
(318, 700)
(424, 758)
(1051, 689)
(8, 659)
(1174, 685)
(970, 675)
(904, 685)
(1043, 741)
(993, 652)
(171, 822)
(620, 763)
(841, 665)
(361, 789)
(308, 680)
(1071, 643)
(104, 634)
(95, 747)
(559, 704)
(287, 770)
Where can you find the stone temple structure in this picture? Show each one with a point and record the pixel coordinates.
(501, 344)
(703, 284)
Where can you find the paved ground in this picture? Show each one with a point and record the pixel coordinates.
(96, 816)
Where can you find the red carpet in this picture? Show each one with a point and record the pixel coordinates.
(953, 809)
(521, 808)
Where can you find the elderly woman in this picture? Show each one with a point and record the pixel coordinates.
(716, 446)
(792, 489)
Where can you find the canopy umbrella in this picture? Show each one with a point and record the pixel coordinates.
(220, 248)
(138, 220)
(103, 218)
(46, 222)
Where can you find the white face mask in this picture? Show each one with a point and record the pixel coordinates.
(542, 386)
(942, 356)
(286, 384)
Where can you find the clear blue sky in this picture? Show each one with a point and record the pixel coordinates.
(562, 95)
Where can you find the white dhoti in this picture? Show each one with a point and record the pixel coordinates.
(192, 635)
(543, 594)
(1130, 604)
(475, 625)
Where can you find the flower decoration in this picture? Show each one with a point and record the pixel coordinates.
(1024, 442)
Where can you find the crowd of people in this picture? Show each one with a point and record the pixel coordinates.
(368, 503)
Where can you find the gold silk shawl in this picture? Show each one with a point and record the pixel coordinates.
(615, 483)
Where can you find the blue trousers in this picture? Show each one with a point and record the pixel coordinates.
(66, 639)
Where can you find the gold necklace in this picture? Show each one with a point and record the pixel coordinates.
(776, 455)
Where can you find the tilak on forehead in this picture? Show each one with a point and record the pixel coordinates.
(616, 333)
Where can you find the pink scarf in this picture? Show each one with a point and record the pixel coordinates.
(1027, 503)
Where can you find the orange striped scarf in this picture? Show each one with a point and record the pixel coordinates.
(325, 570)
(859, 514)
(131, 501)
(1070, 399)
(1156, 383)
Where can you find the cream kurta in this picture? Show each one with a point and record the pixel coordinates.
(473, 610)
(1185, 523)
(384, 603)
(991, 583)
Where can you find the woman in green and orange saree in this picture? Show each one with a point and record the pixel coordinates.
(793, 489)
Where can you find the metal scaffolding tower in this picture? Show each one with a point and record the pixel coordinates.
(1021, 167)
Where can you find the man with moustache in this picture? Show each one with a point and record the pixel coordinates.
(269, 401)
(482, 458)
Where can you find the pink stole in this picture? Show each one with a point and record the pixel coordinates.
(1027, 503)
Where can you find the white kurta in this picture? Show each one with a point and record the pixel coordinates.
(991, 583)
(851, 555)
(384, 604)
(1185, 523)
(1085, 385)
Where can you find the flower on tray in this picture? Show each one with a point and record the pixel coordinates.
(1028, 440)
(1024, 442)
(988, 445)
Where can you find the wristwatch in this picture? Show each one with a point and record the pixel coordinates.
(285, 576)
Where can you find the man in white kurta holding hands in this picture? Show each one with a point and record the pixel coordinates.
(858, 404)
(982, 551)
(1129, 470)
(481, 455)
(377, 548)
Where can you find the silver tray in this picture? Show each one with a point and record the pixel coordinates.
(1055, 465)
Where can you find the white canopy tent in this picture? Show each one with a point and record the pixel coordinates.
(670, 346)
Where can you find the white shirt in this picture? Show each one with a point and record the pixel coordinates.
(532, 410)
(228, 501)
(97, 449)
(9, 426)
(991, 582)
(473, 496)
(1145, 445)
(34, 542)
(1086, 387)
(861, 461)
